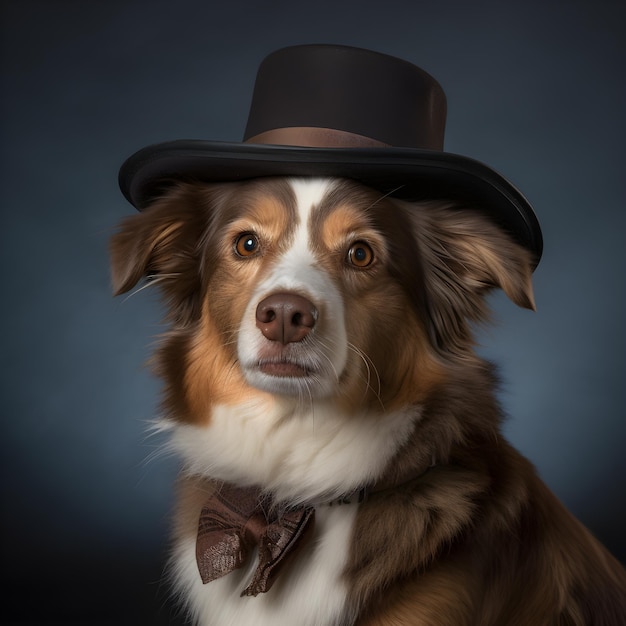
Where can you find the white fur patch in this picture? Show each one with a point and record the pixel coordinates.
(310, 454)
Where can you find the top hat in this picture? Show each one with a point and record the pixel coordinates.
(326, 110)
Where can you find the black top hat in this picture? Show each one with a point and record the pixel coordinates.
(325, 110)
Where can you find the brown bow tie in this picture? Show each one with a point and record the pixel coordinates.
(233, 522)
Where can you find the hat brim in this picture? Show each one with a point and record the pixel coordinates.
(406, 173)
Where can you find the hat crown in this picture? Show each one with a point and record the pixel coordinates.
(349, 93)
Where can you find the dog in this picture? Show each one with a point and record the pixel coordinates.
(320, 354)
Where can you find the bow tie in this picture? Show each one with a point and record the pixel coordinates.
(236, 520)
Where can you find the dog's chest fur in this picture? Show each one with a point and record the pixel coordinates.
(314, 457)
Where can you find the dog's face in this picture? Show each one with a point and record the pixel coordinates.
(305, 281)
(317, 290)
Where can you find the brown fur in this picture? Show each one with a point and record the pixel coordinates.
(492, 539)
(477, 539)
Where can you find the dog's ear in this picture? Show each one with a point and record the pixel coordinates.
(465, 256)
(163, 242)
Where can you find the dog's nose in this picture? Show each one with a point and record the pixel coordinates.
(285, 317)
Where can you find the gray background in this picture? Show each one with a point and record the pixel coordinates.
(535, 89)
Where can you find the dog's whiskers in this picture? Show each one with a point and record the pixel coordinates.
(389, 193)
(308, 401)
(228, 335)
(150, 282)
(329, 347)
(369, 367)
(162, 449)
(232, 367)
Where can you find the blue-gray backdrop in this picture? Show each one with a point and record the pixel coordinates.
(536, 89)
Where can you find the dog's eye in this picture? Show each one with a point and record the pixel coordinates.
(247, 244)
(360, 254)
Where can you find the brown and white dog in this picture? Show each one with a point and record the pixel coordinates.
(321, 350)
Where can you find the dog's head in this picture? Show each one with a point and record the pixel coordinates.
(313, 289)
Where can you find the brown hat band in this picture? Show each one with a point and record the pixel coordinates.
(313, 137)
